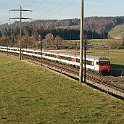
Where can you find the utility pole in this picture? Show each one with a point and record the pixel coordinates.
(84, 60)
(81, 41)
(20, 25)
(7, 47)
(40, 42)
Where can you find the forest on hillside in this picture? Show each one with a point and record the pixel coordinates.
(68, 29)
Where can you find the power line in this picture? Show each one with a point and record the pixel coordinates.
(26, 3)
(53, 10)
(58, 10)
(43, 3)
(39, 4)
(36, 7)
(30, 4)
(20, 24)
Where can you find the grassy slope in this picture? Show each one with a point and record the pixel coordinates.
(76, 27)
(31, 94)
(117, 31)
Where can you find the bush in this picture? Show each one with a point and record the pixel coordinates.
(122, 44)
(115, 44)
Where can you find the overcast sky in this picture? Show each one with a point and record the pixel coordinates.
(60, 9)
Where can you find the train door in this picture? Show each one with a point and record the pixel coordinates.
(96, 65)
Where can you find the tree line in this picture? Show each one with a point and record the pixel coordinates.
(68, 29)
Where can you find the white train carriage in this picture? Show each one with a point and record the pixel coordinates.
(93, 63)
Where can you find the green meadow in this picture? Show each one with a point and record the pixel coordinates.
(116, 56)
(117, 31)
(31, 94)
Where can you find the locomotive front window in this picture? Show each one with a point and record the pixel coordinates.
(104, 63)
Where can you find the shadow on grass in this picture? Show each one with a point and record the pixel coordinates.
(117, 70)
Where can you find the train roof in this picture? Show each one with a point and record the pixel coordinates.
(77, 56)
(96, 58)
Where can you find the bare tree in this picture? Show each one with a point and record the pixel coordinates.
(48, 41)
(58, 41)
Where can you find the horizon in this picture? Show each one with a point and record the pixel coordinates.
(61, 19)
(60, 9)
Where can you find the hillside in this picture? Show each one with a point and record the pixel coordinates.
(68, 29)
(117, 32)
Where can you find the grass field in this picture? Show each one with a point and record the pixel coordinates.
(115, 56)
(117, 31)
(90, 41)
(31, 94)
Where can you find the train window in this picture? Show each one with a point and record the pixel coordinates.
(104, 63)
(97, 63)
(78, 60)
(88, 62)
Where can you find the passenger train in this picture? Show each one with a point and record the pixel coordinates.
(93, 63)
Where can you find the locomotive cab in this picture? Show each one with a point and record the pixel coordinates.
(104, 66)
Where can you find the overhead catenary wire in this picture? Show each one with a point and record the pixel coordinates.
(39, 5)
(51, 9)
(36, 5)
(20, 25)
(55, 6)
(54, 10)
(27, 3)
(32, 3)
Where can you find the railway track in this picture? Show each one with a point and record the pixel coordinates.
(109, 84)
